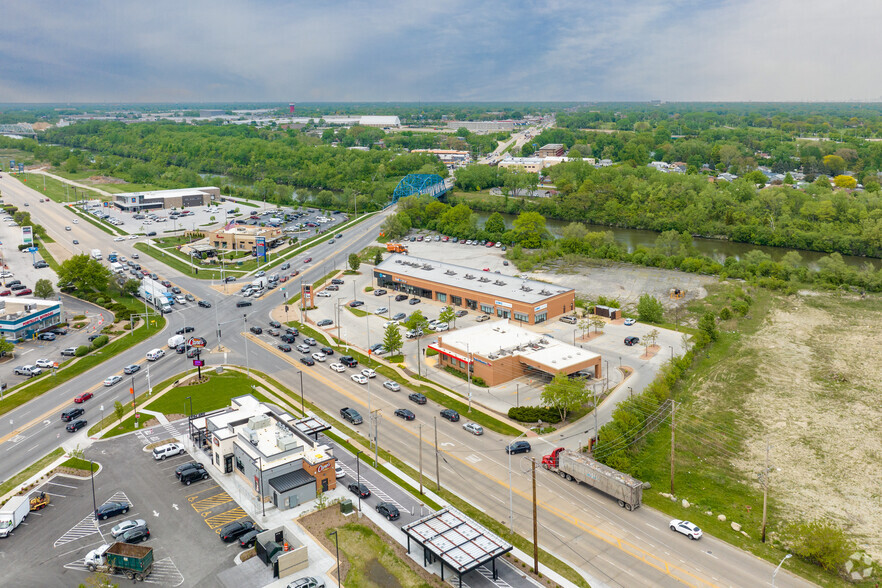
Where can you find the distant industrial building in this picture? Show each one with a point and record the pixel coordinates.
(526, 301)
(486, 126)
(498, 351)
(159, 199)
(452, 158)
(551, 150)
(537, 164)
(24, 318)
(211, 113)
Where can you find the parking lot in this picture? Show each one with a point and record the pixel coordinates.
(48, 548)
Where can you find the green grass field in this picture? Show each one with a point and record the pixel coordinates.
(29, 471)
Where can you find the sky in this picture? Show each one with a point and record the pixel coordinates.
(444, 50)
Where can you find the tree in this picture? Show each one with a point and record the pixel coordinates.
(834, 164)
(85, 273)
(416, 321)
(354, 262)
(843, 181)
(131, 287)
(788, 179)
(43, 288)
(378, 258)
(564, 394)
(392, 341)
(119, 409)
(708, 325)
(495, 224)
(598, 323)
(6, 347)
(529, 228)
(652, 337)
(584, 326)
(649, 309)
(447, 315)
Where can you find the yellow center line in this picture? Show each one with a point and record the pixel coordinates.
(608, 538)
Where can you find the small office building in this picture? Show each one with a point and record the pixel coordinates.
(526, 301)
(270, 450)
(243, 237)
(498, 351)
(162, 199)
(551, 150)
(24, 318)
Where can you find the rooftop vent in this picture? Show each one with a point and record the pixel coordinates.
(469, 277)
(526, 288)
(427, 267)
(544, 292)
(450, 273)
(483, 279)
(499, 283)
(399, 261)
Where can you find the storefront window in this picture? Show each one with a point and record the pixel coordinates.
(541, 317)
(519, 316)
(471, 304)
(486, 308)
(502, 313)
(442, 297)
(456, 300)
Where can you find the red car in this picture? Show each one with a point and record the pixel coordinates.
(145, 273)
(83, 397)
(307, 260)
(295, 273)
(283, 279)
(490, 244)
(24, 292)
(5, 292)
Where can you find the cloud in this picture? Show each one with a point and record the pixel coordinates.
(278, 50)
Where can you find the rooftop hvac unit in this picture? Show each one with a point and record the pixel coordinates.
(499, 283)
(545, 292)
(428, 267)
(482, 279)
(469, 277)
(450, 273)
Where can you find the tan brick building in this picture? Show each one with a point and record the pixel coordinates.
(501, 296)
(242, 237)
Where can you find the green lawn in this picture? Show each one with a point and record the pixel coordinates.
(372, 563)
(29, 471)
(78, 464)
(356, 311)
(217, 393)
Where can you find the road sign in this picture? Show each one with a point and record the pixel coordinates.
(137, 415)
(32, 249)
(198, 362)
(197, 342)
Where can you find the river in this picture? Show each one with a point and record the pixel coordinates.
(716, 249)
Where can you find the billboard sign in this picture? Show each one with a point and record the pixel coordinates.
(198, 363)
(27, 236)
(196, 342)
(261, 247)
(306, 296)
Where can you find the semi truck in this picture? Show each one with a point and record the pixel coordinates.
(13, 513)
(134, 561)
(156, 294)
(579, 467)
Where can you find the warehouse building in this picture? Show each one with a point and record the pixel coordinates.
(525, 301)
(498, 351)
(24, 318)
(160, 199)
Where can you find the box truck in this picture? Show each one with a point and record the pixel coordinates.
(13, 513)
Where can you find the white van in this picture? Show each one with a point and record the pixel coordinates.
(155, 354)
(176, 341)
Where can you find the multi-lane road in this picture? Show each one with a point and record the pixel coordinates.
(609, 545)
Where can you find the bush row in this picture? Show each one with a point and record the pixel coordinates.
(534, 414)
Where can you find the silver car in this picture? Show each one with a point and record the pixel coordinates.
(390, 385)
(127, 526)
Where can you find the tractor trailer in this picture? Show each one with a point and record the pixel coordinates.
(575, 466)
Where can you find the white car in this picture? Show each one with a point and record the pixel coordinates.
(6, 274)
(358, 379)
(323, 294)
(389, 324)
(441, 327)
(319, 356)
(44, 363)
(133, 237)
(338, 367)
(629, 322)
(390, 385)
(338, 471)
(180, 299)
(112, 380)
(368, 373)
(135, 255)
(76, 221)
(168, 450)
(126, 525)
(473, 428)
(689, 529)
(120, 239)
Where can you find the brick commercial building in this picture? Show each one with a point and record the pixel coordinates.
(499, 351)
(242, 237)
(551, 150)
(182, 198)
(498, 295)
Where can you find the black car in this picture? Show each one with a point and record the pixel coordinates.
(405, 414)
(379, 292)
(93, 337)
(417, 397)
(192, 475)
(136, 535)
(632, 341)
(356, 304)
(204, 304)
(388, 510)
(284, 347)
(359, 489)
(307, 360)
(400, 297)
(518, 447)
(243, 303)
(348, 361)
(188, 466)
(327, 350)
(337, 281)
(275, 324)
(230, 279)
(413, 301)
(182, 348)
(111, 509)
(235, 530)
(248, 539)
(450, 414)
(71, 414)
(75, 426)
(325, 323)
(151, 234)
(287, 338)
(256, 330)
(460, 313)
(59, 331)
(175, 290)
(292, 331)
(183, 330)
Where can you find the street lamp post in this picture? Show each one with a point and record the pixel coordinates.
(358, 475)
(94, 502)
(190, 420)
(775, 573)
(337, 545)
(247, 362)
(302, 406)
(510, 496)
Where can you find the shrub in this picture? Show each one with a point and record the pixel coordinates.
(741, 307)
(82, 350)
(100, 341)
(534, 414)
(725, 313)
(79, 325)
(822, 543)
(79, 317)
(99, 301)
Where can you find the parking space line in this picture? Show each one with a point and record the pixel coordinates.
(200, 491)
(225, 517)
(60, 484)
(211, 502)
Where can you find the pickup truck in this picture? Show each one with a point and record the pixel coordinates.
(27, 370)
(351, 415)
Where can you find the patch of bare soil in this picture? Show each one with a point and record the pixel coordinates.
(105, 180)
(817, 398)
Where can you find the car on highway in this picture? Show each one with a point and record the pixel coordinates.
(243, 303)
(284, 347)
(691, 530)
(189, 298)
(388, 510)
(450, 414)
(72, 413)
(417, 397)
(287, 338)
(44, 363)
(348, 361)
(204, 304)
(307, 260)
(83, 397)
(307, 360)
(358, 379)
(256, 330)
(629, 341)
(359, 489)
(405, 414)
(310, 341)
(518, 447)
(629, 322)
(183, 330)
(75, 426)
(390, 385)
(275, 324)
(473, 428)
(112, 380)
(131, 369)
(368, 373)
(124, 526)
(233, 531)
(325, 323)
(338, 367)
(111, 509)
(319, 356)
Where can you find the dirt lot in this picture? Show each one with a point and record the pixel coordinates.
(810, 381)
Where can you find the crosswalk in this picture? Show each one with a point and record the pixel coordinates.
(352, 475)
(88, 526)
(160, 432)
(164, 573)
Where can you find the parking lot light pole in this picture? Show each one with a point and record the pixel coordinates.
(510, 497)
(190, 420)
(337, 545)
(94, 502)
(302, 407)
(358, 475)
(245, 327)
(775, 573)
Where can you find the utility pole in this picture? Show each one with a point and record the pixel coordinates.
(535, 524)
(421, 457)
(765, 479)
(376, 418)
(437, 461)
(673, 411)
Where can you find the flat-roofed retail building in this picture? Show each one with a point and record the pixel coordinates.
(498, 351)
(160, 199)
(526, 301)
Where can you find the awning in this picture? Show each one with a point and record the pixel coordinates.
(452, 354)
